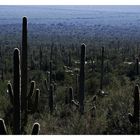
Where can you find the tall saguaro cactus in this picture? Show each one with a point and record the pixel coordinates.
(40, 55)
(102, 69)
(50, 72)
(135, 117)
(70, 95)
(51, 98)
(82, 78)
(24, 60)
(17, 93)
(137, 66)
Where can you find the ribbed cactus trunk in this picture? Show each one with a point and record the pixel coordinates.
(137, 66)
(51, 98)
(76, 86)
(36, 129)
(10, 91)
(24, 79)
(136, 104)
(51, 52)
(102, 68)
(36, 102)
(70, 95)
(134, 118)
(30, 95)
(40, 54)
(3, 130)
(50, 72)
(17, 93)
(82, 79)
(69, 62)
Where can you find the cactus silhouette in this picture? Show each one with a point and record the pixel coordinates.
(15, 98)
(36, 102)
(24, 64)
(17, 93)
(50, 72)
(10, 92)
(30, 95)
(51, 98)
(135, 117)
(36, 129)
(82, 78)
(70, 94)
(40, 55)
(3, 130)
(77, 86)
(137, 66)
(102, 68)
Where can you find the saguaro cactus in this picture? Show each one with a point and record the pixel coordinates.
(82, 78)
(50, 72)
(36, 102)
(17, 93)
(70, 95)
(102, 69)
(135, 117)
(10, 92)
(36, 129)
(30, 95)
(77, 87)
(24, 60)
(40, 55)
(51, 98)
(3, 130)
(137, 66)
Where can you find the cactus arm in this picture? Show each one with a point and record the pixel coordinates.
(10, 92)
(35, 129)
(3, 130)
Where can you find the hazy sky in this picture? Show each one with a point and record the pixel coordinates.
(69, 2)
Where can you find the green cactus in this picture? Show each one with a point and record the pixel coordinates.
(36, 101)
(15, 97)
(135, 117)
(69, 60)
(51, 52)
(70, 95)
(10, 92)
(82, 78)
(77, 86)
(40, 55)
(50, 72)
(102, 69)
(17, 93)
(3, 130)
(24, 64)
(51, 98)
(30, 95)
(36, 129)
(137, 66)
